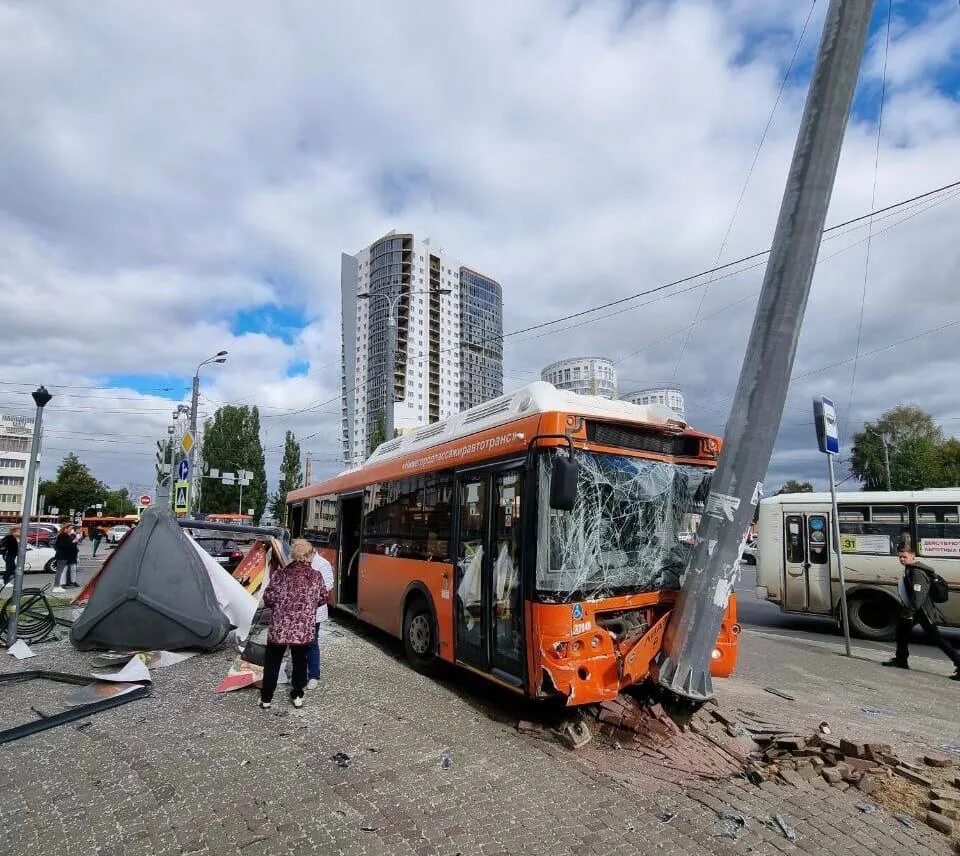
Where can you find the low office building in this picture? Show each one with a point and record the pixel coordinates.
(583, 375)
(16, 435)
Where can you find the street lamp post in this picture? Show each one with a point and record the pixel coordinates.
(41, 398)
(219, 357)
(393, 301)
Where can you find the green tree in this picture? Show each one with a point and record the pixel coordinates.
(794, 486)
(74, 488)
(231, 442)
(291, 477)
(913, 443)
(116, 503)
(379, 434)
(949, 463)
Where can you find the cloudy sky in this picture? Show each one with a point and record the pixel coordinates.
(180, 179)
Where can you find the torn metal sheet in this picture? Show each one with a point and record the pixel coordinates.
(631, 530)
(81, 712)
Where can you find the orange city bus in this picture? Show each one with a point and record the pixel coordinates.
(537, 540)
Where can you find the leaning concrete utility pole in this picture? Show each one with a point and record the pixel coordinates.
(41, 398)
(684, 664)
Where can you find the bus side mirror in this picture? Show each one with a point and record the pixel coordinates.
(563, 484)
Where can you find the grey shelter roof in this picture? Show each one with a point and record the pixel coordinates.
(153, 594)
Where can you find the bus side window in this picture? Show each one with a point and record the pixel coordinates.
(794, 539)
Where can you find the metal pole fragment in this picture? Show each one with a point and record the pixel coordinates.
(683, 666)
(835, 535)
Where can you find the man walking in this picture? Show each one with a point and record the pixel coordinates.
(918, 607)
(96, 536)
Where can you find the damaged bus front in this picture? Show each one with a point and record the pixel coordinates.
(609, 563)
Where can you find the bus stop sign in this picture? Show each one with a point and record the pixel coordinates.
(828, 431)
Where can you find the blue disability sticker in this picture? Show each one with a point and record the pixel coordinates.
(577, 611)
(816, 523)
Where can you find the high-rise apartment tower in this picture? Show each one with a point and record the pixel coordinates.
(449, 346)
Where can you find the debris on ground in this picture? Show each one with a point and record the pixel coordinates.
(446, 762)
(341, 759)
(779, 693)
(574, 734)
(788, 833)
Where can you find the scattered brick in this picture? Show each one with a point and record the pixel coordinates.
(911, 776)
(940, 823)
(832, 775)
(868, 784)
(934, 760)
(791, 744)
(792, 777)
(946, 808)
(950, 796)
(840, 786)
(854, 750)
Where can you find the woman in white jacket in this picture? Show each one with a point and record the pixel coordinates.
(323, 567)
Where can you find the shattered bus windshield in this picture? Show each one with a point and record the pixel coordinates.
(631, 529)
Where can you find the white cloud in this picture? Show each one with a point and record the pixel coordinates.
(168, 167)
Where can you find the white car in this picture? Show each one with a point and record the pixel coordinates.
(40, 560)
(115, 534)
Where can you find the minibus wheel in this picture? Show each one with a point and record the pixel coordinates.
(419, 634)
(873, 616)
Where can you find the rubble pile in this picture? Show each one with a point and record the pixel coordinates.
(694, 750)
(870, 768)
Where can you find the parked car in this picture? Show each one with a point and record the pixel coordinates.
(225, 550)
(115, 534)
(40, 560)
(42, 534)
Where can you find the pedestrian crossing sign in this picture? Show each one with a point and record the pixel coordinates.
(181, 497)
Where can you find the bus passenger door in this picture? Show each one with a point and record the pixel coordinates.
(806, 583)
(469, 599)
(489, 597)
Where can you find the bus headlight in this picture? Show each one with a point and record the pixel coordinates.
(716, 655)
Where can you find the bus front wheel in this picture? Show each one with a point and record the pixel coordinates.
(873, 616)
(419, 634)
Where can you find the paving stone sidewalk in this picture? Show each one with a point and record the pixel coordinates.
(429, 772)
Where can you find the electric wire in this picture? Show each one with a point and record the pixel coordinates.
(743, 190)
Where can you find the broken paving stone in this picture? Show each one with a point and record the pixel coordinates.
(949, 796)
(946, 808)
(792, 777)
(853, 750)
(791, 744)
(867, 784)
(936, 760)
(840, 786)
(911, 776)
(524, 726)
(832, 775)
(940, 823)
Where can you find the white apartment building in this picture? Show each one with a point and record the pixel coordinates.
(667, 396)
(583, 375)
(449, 346)
(16, 435)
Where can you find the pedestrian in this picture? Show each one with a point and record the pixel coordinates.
(919, 607)
(9, 549)
(294, 593)
(96, 536)
(325, 569)
(66, 555)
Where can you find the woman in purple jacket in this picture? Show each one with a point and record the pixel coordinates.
(294, 593)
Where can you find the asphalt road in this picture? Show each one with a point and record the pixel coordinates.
(764, 616)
